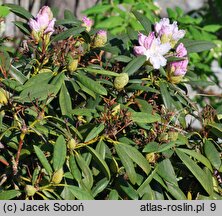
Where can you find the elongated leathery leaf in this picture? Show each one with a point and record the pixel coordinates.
(65, 101)
(144, 21)
(212, 154)
(91, 84)
(43, 160)
(101, 163)
(134, 65)
(195, 170)
(136, 156)
(59, 154)
(127, 163)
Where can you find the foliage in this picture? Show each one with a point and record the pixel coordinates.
(87, 120)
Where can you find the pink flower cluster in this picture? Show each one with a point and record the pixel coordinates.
(43, 23)
(160, 42)
(168, 32)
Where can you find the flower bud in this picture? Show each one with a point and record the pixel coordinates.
(43, 24)
(151, 157)
(87, 23)
(57, 176)
(3, 97)
(30, 190)
(177, 70)
(163, 137)
(173, 135)
(100, 38)
(72, 63)
(72, 144)
(121, 81)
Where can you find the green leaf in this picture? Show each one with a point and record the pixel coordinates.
(127, 163)
(101, 163)
(141, 190)
(113, 195)
(17, 75)
(217, 126)
(74, 169)
(136, 156)
(83, 112)
(175, 191)
(166, 171)
(42, 78)
(195, 170)
(65, 101)
(4, 11)
(144, 21)
(43, 160)
(123, 58)
(129, 190)
(97, 9)
(100, 186)
(67, 194)
(212, 154)
(212, 28)
(199, 157)
(59, 154)
(151, 147)
(9, 194)
(171, 13)
(197, 45)
(167, 99)
(143, 117)
(87, 173)
(110, 22)
(80, 193)
(86, 90)
(144, 106)
(20, 11)
(35, 92)
(101, 148)
(70, 32)
(23, 27)
(95, 132)
(134, 65)
(91, 84)
(70, 21)
(101, 71)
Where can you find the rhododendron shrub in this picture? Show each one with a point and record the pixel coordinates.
(86, 114)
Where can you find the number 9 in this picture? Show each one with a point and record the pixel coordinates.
(213, 206)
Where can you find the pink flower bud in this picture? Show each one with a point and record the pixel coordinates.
(179, 68)
(176, 70)
(45, 10)
(87, 23)
(100, 38)
(43, 23)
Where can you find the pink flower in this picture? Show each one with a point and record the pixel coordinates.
(168, 32)
(153, 49)
(181, 51)
(87, 23)
(44, 22)
(176, 70)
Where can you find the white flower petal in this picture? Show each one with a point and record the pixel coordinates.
(157, 61)
(164, 48)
